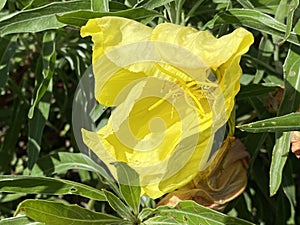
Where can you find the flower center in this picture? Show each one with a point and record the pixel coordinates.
(199, 91)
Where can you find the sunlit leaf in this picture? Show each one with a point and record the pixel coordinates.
(288, 122)
(152, 4)
(20, 220)
(45, 84)
(47, 185)
(146, 213)
(129, 184)
(41, 101)
(123, 210)
(54, 213)
(80, 18)
(246, 4)
(39, 19)
(100, 6)
(292, 6)
(2, 4)
(290, 103)
(189, 212)
(63, 161)
(255, 20)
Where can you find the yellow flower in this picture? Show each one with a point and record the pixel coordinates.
(173, 86)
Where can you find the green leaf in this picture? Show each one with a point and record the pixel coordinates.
(41, 101)
(5, 61)
(284, 123)
(189, 212)
(279, 157)
(20, 220)
(39, 19)
(100, 5)
(36, 126)
(129, 183)
(152, 4)
(289, 190)
(292, 6)
(11, 138)
(2, 4)
(81, 17)
(266, 48)
(252, 90)
(54, 213)
(49, 58)
(255, 20)
(123, 210)
(291, 96)
(6, 197)
(63, 161)
(146, 213)
(47, 185)
(290, 103)
(246, 4)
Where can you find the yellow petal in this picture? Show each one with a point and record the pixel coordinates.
(213, 51)
(222, 181)
(109, 32)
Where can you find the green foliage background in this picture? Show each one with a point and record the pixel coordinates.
(42, 58)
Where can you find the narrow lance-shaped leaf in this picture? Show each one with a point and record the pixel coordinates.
(80, 18)
(290, 103)
(289, 122)
(7, 148)
(189, 212)
(264, 55)
(47, 185)
(55, 213)
(2, 4)
(255, 20)
(41, 101)
(152, 4)
(279, 157)
(20, 220)
(253, 90)
(116, 203)
(292, 6)
(49, 58)
(289, 189)
(6, 59)
(61, 162)
(129, 183)
(100, 6)
(246, 4)
(39, 19)
(146, 213)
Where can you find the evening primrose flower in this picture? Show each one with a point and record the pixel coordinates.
(173, 88)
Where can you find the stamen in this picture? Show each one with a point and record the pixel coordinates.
(160, 101)
(191, 87)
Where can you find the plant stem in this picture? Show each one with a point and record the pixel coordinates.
(91, 204)
(178, 11)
